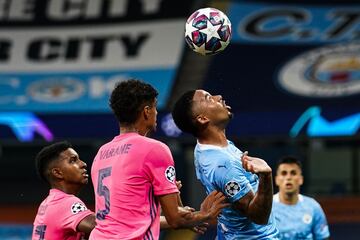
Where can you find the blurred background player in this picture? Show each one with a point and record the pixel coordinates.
(297, 216)
(62, 215)
(246, 183)
(134, 175)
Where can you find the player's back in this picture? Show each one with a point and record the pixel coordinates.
(126, 207)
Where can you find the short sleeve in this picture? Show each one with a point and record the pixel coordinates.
(74, 211)
(159, 166)
(231, 180)
(320, 226)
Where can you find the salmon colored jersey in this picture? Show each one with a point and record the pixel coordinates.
(58, 217)
(128, 174)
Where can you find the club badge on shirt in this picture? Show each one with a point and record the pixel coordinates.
(170, 174)
(232, 188)
(78, 207)
(307, 218)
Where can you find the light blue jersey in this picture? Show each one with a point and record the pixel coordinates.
(304, 220)
(220, 168)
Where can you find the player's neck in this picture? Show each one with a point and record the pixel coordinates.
(212, 137)
(69, 189)
(289, 198)
(139, 128)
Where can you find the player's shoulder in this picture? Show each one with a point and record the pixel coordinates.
(309, 200)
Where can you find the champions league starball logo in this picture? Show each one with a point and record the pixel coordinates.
(332, 71)
(232, 188)
(170, 174)
(78, 207)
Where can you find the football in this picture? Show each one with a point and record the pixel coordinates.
(208, 31)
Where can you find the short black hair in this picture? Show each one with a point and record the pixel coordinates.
(289, 160)
(182, 113)
(47, 155)
(129, 97)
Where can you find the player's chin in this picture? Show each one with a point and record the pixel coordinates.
(230, 114)
(85, 180)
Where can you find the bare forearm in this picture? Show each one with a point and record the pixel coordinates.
(163, 223)
(186, 219)
(260, 206)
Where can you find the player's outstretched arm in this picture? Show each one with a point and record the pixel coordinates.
(87, 224)
(257, 206)
(183, 217)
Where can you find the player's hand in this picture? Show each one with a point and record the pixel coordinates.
(178, 185)
(254, 164)
(201, 227)
(213, 204)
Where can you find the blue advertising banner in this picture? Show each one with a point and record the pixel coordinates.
(73, 92)
(290, 69)
(73, 69)
(293, 24)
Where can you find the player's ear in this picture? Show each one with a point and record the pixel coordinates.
(57, 173)
(301, 180)
(201, 119)
(146, 112)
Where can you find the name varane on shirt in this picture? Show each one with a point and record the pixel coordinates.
(122, 149)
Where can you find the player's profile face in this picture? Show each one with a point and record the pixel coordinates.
(73, 169)
(289, 178)
(151, 111)
(213, 106)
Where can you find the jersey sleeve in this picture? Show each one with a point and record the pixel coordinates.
(320, 226)
(74, 210)
(230, 179)
(159, 166)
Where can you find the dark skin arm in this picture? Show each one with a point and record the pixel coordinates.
(197, 229)
(257, 207)
(86, 225)
(182, 217)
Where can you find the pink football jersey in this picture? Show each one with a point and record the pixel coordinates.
(128, 174)
(58, 216)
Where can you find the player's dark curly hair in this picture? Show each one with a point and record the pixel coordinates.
(128, 99)
(182, 113)
(47, 155)
(288, 160)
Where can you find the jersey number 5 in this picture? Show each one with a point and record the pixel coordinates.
(103, 191)
(40, 230)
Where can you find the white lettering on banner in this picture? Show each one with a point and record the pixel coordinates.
(121, 47)
(65, 10)
(17, 10)
(89, 9)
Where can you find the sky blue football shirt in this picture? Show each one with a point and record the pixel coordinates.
(304, 220)
(220, 168)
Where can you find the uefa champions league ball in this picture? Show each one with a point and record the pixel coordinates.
(208, 31)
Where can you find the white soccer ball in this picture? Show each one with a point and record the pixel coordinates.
(208, 31)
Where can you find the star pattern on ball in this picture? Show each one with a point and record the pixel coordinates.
(211, 31)
(201, 49)
(207, 31)
(189, 30)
